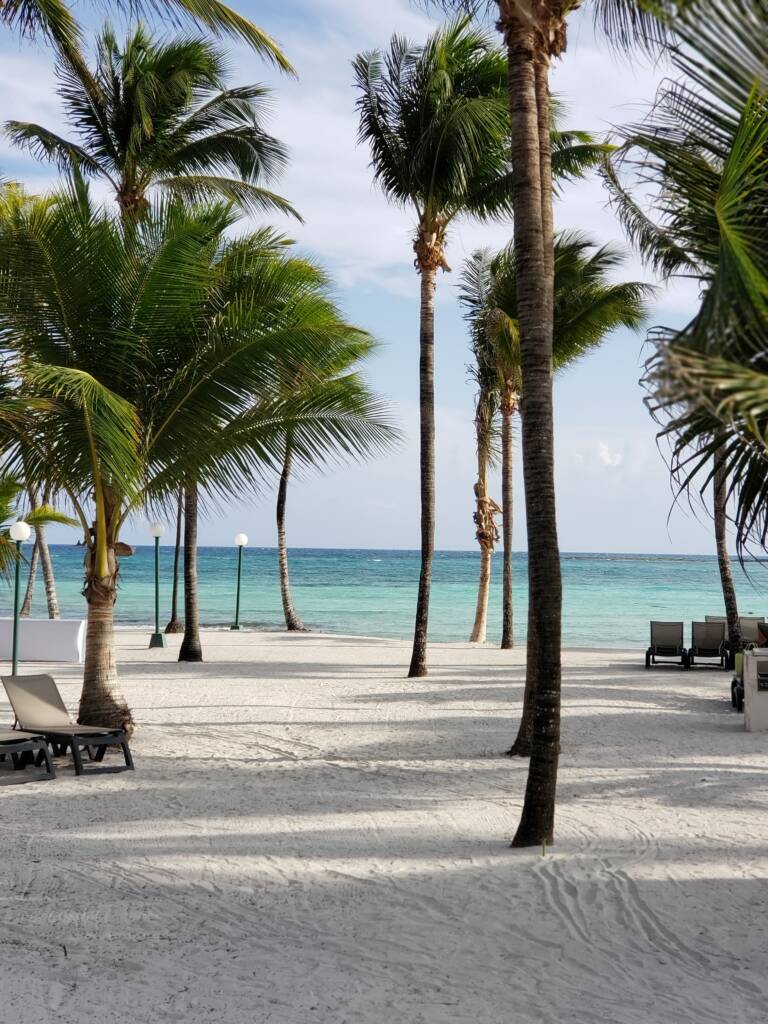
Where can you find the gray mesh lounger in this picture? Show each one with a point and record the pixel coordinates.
(666, 644)
(24, 746)
(38, 706)
(749, 628)
(707, 641)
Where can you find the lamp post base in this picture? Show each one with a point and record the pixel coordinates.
(157, 640)
(234, 626)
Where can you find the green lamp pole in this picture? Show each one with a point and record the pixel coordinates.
(241, 540)
(19, 531)
(157, 639)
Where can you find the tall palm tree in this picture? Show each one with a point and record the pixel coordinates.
(586, 308)
(174, 625)
(703, 162)
(436, 121)
(338, 418)
(143, 383)
(574, 153)
(158, 114)
(533, 36)
(486, 510)
(54, 20)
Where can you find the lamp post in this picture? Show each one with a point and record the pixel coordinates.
(157, 639)
(19, 532)
(241, 540)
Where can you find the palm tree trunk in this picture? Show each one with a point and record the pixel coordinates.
(174, 626)
(529, 109)
(418, 666)
(44, 552)
(26, 605)
(101, 702)
(292, 620)
(720, 498)
(49, 580)
(486, 530)
(191, 648)
(523, 744)
(479, 629)
(507, 453)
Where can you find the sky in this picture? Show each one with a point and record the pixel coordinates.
(613, 488)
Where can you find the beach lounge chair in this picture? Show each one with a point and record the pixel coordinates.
(666, 644)
(38, 707)
(24, 747)
(707, 641)
(749, 631)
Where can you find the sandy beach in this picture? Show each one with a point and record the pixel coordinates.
(309, 836)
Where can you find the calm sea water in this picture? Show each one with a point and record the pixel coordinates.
(608, 599)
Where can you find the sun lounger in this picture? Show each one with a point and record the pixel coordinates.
(24, 747)
(38, 706)
(666, 644)
(749, 632)
(707, 641)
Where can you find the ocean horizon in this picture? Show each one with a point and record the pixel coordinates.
(608, 598)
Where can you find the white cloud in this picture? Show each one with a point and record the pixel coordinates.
(609, 456)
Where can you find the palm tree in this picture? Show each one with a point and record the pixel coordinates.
(12, 490)
(40, 554)
(533, 36)
(155, 114)
(337, 417)
(487, 397)
(586, 308)
(436, 120)
(703, 163)
(143, 385)
(54, 20)
(174, 625)
(574, 153)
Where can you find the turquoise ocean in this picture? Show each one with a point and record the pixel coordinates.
(608, 598)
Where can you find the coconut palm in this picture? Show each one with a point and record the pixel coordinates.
(158, 114)
(40, 554)
(703, 162)
(337, 418)
(12, 493)
(154, 350)
(587, 308)
(574, 153)
(486, 509)
(174, 625)
(54, 20)
(533, 37)
(436, 120)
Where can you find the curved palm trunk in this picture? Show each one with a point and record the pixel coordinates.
(418, 666)
(487, 534)
(49, 580)
(292, 620)
(43, 552)
(101, 702)
(479, 628)
(29, 593)
(507, 453)
(720, 497)
(174, 626)
(191, 648)
(529, 111)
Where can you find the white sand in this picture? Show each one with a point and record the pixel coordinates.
(310, 837)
